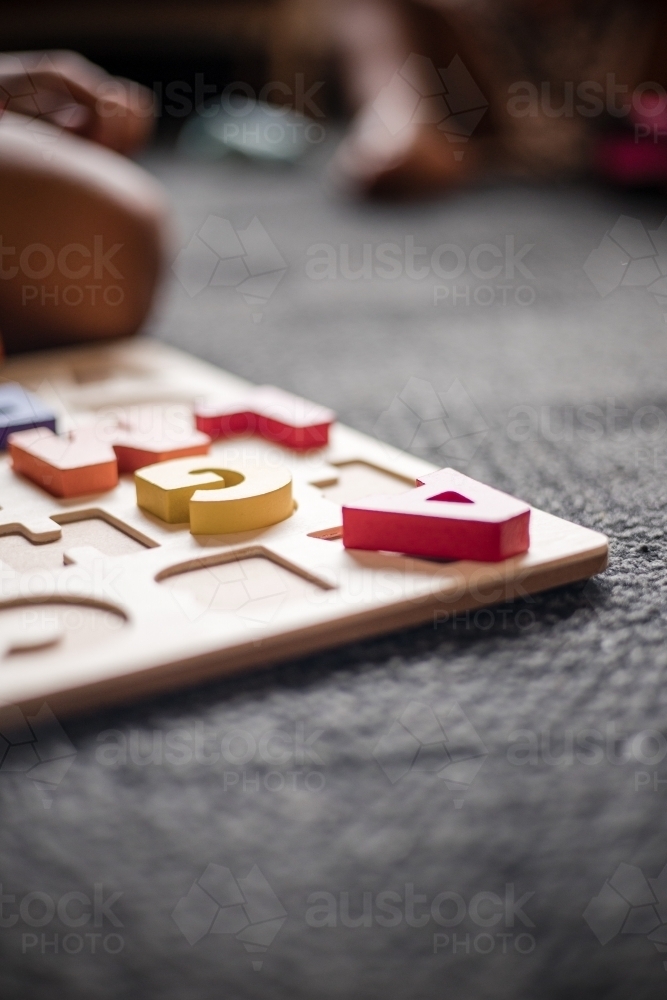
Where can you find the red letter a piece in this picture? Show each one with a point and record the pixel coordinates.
(448, 516)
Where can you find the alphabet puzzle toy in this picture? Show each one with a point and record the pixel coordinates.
(182, 524)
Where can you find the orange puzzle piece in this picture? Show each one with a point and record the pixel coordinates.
(89, 461)
(67, 465)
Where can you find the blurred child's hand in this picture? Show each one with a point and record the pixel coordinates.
(70, 92)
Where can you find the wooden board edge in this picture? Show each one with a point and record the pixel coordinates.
(180, 674)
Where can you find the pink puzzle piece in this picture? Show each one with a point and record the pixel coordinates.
(67, 465)
(270, 412)
(447, 516)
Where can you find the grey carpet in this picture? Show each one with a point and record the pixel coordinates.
(549, 825)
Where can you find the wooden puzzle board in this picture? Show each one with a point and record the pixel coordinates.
(109, 603)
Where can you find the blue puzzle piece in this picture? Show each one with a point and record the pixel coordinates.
(20, 410)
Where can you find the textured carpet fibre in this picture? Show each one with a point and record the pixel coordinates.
(349, 864)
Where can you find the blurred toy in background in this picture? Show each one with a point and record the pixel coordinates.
(442, 93)
(266, 133)
(445, 91)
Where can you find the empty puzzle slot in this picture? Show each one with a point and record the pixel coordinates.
(359, 479)
(55, 629)
(254, 587)
(22, 555)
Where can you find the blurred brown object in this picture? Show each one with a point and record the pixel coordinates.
(84, 231)
(290, 35)
(526, 58)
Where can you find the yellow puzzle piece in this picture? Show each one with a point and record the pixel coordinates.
(215, 500)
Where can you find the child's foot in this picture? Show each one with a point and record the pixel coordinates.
(411, 161)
